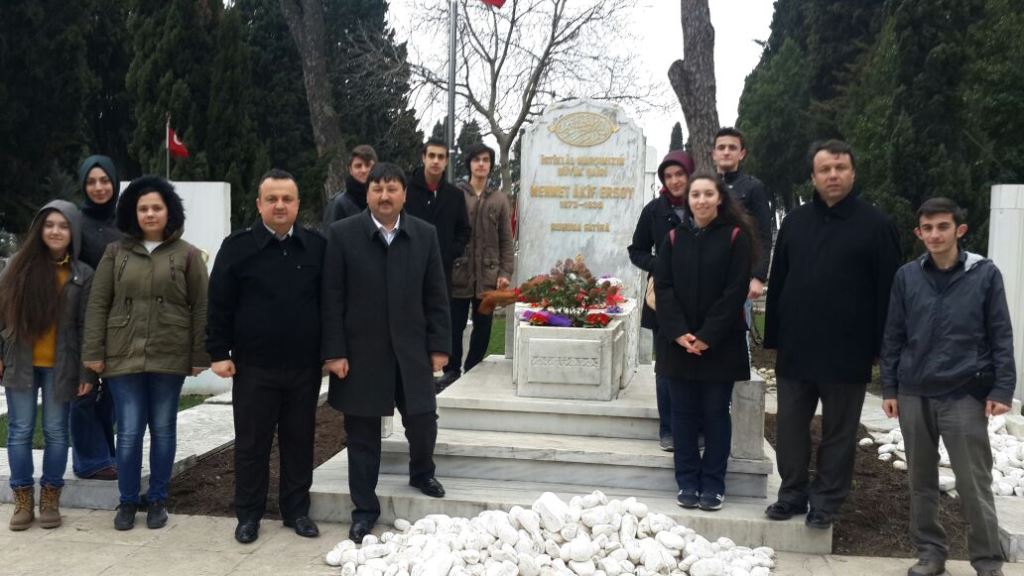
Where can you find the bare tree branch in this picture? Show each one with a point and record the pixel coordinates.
(515, 61)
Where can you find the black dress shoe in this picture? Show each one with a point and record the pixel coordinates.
(782, 510)
(431, 487)
(247, 532)
(359, 529)
(303, 527)
(819, 519)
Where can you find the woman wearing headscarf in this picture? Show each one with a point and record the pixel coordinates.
(92, 415)
(659, 216)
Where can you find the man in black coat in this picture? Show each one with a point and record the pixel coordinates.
(387, 328)
(749, 192)
(835, 258)
(352, 200)
(432, 198)
(263, 330)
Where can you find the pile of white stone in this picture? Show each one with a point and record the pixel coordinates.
(589, 536)
(768, 374)
(1007, 458)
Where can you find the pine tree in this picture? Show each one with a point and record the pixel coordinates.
(172, 42)
(277, 104)
(676, 140)
(109, 123)
(234, 152)
(469, 134)
(370, 76)
(44, 82)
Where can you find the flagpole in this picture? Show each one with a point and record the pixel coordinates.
(167, 147)
(453, 17)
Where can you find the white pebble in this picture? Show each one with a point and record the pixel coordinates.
(707, 567)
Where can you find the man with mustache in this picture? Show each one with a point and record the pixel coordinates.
(386, 330)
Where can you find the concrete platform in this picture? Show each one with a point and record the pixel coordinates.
(485, 399)
(741, 519)
(496, 450)
(562, 459)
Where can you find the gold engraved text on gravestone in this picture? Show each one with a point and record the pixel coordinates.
(584, 129)
(577, 227)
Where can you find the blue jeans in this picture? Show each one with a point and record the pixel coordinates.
(92, 432)
(142, 400)
(701, 405)
(21, 418)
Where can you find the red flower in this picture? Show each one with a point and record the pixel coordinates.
(598, 319)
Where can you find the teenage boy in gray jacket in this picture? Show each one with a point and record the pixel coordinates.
(947, 365)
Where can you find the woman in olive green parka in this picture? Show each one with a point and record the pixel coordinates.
(144, 333)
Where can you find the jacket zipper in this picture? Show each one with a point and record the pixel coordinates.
(120, 271)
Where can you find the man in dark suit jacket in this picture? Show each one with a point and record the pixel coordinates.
(835, 258)
(263, 329)
(434, 199)
(386, 329)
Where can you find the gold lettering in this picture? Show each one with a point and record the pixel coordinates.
(597, 227)
(565, 227)
(549, 191)
(620, 192)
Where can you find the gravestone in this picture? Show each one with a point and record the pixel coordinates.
(581, 193)
(1006, 249)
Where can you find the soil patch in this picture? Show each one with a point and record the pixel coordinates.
(875, 519)
(208, 488)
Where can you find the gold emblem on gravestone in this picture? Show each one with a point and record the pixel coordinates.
(583, 129)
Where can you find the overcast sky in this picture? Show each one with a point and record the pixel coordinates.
(738, 24)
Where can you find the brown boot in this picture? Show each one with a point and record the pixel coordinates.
(49, 506)
(24, 508)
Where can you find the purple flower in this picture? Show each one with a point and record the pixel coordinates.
(616, 309)
(559, 320)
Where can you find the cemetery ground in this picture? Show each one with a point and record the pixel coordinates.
(874, 520)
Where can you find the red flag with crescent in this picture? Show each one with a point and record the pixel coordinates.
(174, 145)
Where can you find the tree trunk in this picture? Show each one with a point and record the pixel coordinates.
(693, 80)
(306, 22)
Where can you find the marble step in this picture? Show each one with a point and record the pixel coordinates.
(577, 460)
(741, 519)
(485, 399)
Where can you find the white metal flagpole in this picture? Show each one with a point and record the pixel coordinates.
(453, 19)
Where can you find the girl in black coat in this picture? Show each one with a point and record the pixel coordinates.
(658, 217)
(701, 282)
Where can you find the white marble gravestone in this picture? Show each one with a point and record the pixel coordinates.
(581, 193)
(1006, 249)
(207, 223)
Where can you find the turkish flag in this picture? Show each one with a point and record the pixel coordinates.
(174, 145)
(495, 3)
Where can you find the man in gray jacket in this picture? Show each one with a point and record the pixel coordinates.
(947, 365)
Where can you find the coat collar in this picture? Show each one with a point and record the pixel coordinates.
(843, 209)
(263, 236)
(404, 227)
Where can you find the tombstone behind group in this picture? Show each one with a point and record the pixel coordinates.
(581, 193)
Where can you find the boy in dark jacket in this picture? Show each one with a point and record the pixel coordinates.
(947, 364)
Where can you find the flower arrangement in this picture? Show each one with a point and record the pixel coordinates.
(570, 295)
